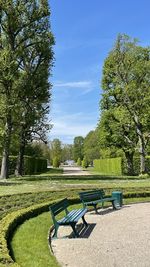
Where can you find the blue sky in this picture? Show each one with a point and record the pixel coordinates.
(85, 32)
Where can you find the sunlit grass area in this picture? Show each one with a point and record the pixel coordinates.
(30, 243)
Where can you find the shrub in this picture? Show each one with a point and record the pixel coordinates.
(79, 162)
(85, 163)
(56, 162)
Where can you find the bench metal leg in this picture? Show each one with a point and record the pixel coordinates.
(113, 204)
(95, 208)
(73, 225)
(55, 231)
(84, 221)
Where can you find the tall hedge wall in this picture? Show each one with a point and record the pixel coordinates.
(118, 166)
(32, 165)
(108, 166)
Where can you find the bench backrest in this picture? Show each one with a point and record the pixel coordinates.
(91, 195)
(59, 206)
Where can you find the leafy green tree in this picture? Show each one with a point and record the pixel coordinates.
(91, 146)
(67, 152)
(117, 130)
(23, 31)
(126, 76)
(56, 149)
(78, 148)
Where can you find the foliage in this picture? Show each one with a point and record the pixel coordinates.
(79, 162)
(67, 152)
(91, 146)
(56, 149)
(56, 162)
(78, 148)
(125, 83)
(85, 162)
(108, 166)
(25, 61)
(32, 165)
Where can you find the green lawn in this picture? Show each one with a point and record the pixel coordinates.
(30, 243)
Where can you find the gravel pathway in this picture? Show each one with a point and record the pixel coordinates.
(72, 170)
(113, 239)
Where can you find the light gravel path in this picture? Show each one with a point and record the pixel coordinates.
(72, 170)
(114, 239)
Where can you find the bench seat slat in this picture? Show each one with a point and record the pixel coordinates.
(72, 216)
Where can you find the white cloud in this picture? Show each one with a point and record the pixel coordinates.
(78, 84)
(84, 86)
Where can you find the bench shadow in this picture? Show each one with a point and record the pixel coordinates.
(84, 231)
(107, 210)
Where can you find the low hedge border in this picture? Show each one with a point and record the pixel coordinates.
(9, 223)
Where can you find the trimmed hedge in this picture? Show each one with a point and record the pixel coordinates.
(32, 165)
(108, 166)
(118, 166)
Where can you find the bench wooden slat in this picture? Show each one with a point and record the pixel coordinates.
(60, 206)
(73, 216)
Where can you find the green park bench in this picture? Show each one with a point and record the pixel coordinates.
(95, 197)
(71, 218)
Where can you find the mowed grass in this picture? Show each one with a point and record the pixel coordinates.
(30, 243)
(17, 186)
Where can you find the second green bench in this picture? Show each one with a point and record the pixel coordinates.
(95, 197)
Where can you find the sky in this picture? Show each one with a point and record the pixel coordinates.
(85, 32)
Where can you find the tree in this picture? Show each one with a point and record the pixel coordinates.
(56, 149)
(24, 37)
(78, 148)
(117, 130)
(67, 152)
(91, 146)
(126, 79)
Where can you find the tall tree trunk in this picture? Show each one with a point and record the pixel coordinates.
(129, 158)
(142, 155)
(5, 156)
(20, 161)
(142, 145)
